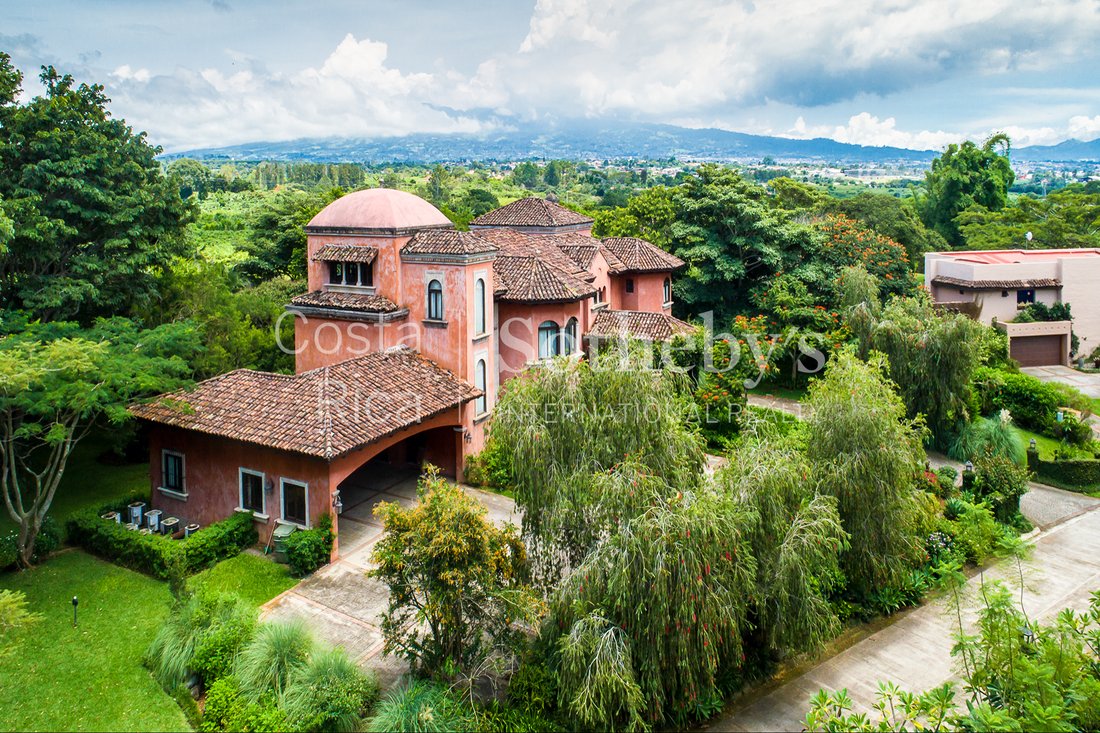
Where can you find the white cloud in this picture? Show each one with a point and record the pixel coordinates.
(125, 73)
(1084, 128)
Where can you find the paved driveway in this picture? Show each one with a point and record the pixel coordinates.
(338, 602)
(915, 650)
(1087, 382)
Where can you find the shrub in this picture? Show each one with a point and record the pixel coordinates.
(976, 532)
(200, 623)
(48, 540)
(497, 718)
(1073, 474)
(422, 707)
(1072, 430)
(307, 550)
(1031, 402)
(159, 555)
(330, 693)
(182, 696)
(9, 550)
(489, 468)
(953, 509)
(1000, 482)
(988, 436)
(227, 709)
(217, 649)
(533, 689)
(274, 654)
(940, 546)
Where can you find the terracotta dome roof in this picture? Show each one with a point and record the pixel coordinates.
(381, 210)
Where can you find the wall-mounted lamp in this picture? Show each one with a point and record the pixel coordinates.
(269, 486)
(466, 437)
(337, 503)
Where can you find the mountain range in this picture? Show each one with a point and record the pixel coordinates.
(593, 139)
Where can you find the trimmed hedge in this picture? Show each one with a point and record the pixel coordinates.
(309, 549)
(159, 555)
(1079, 474)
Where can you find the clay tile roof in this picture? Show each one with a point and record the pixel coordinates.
(531, 212)
(638, 255)
(325, 413)
(637, 324)
(447, 242)
(529, 279)
(358, 302)
(1040, 282)
(346, 253)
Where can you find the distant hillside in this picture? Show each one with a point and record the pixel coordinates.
(606, 139)
(575, 140)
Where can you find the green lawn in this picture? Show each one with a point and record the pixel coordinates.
(89, 483)
(255, 579)
(88, 678)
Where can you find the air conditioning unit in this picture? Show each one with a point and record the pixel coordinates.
(131, 526)
(169, 525)
(190, 529)
(111, 516)
(137, 509)
(152, 519)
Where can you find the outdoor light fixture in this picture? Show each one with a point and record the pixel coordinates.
(1028, 635)
(466, 437)
(74, 610)
(337, 504)
(1033, 443)
(968, 467)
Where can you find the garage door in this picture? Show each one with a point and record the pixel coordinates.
(1037, 350)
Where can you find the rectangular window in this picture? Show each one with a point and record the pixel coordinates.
(336, 273)
(172, 471)
(366, 274)
(295, 503)
(1025, 296)
(630, 285)
(252, 491)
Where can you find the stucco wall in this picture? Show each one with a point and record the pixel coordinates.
(517, 334)
(1081, 289)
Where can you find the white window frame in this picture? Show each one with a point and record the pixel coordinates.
(666, 287)
(241, 471)
(554, 343)
(182, 492)
(483, 401)
(283, 481)
(481, 323)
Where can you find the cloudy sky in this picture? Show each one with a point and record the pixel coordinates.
(911, 73)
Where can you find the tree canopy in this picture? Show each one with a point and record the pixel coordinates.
(94, 219)
(962, 176)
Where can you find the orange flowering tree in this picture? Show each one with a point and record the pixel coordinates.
(849, 242)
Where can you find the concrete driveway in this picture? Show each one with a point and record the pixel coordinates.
(343, 607)
(1087, 382)
(914, 649)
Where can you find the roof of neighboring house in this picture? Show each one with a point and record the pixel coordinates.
(324, 413)
(637, 324)
(531, 212)
(378, 210)
(638, 255)
(346, 253)
(1038, 282)
(1016, 256)
(447, 242)
(357, 302)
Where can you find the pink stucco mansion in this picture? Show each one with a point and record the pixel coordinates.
(401, 344)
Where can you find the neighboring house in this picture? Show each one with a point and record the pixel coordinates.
(407, 331)
(993, 286)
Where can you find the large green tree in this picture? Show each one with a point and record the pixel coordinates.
(95, 220)
(868, 454)
(1066, 218)
(892, 217)
(277, 243)
(57, 381)
(964, 175)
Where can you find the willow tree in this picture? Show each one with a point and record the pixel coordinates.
(796, 537)
(932, 356)
(868, 454)
(588, 448)
(647, 621)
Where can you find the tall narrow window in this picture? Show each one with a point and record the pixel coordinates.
(172, 472)
(549, 339)
(336, 273)
(435, 301)
(366, 274)
(571, 336)
(668, 290)
(295, 503)
(481, 406)
(630, 285)
(479, 306)
(252, 490)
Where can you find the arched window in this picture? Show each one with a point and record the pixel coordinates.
(668, 290)
(479, 306)
(549, 341)
(480, 381)
(435, 301)
(571, 336)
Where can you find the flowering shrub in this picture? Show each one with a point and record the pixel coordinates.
(849, 242)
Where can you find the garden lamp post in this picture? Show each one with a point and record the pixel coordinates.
(1028, 636)
(75, 602)
(1033, 444)
(969, 467)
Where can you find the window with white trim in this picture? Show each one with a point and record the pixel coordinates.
(549, 339)
(668, 290)
(479, 306)
(295, 502)
(252, 490)
(171, 472)
(570, 346)
(481, 381)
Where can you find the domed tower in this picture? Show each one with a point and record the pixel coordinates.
(356, 291)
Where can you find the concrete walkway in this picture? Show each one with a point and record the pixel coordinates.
(1086, 382)
(915, 650)
(339, 603)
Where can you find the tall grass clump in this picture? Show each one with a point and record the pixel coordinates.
(422, 707)
(988, 436)
(274, 655)
(196, 622)
(329, 693)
